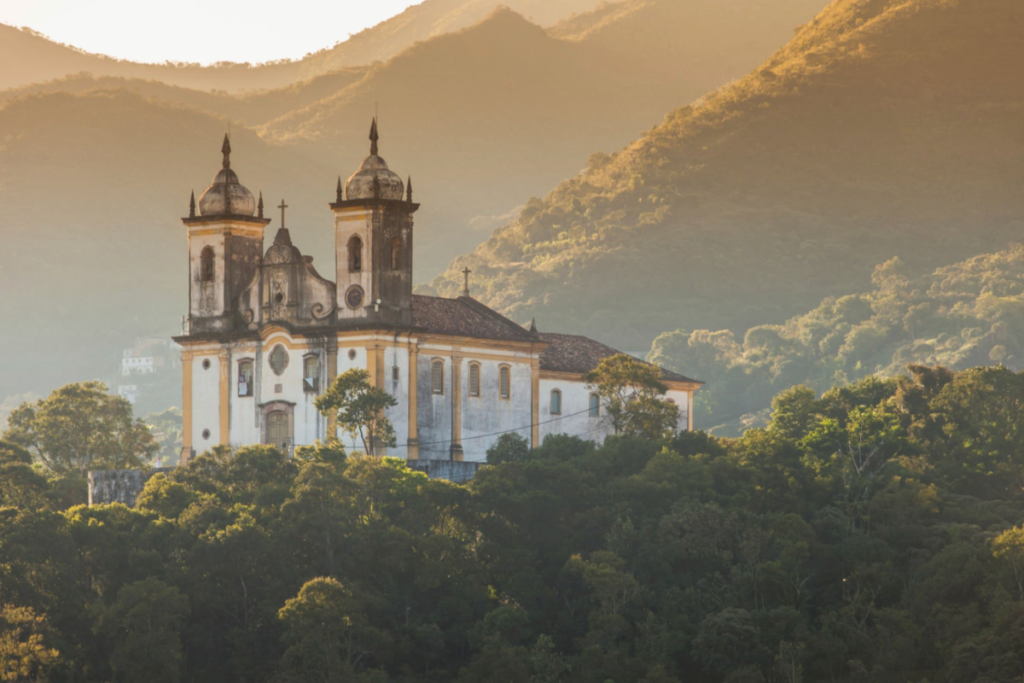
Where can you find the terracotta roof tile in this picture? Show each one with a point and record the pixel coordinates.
(465, 317)
(580, 355)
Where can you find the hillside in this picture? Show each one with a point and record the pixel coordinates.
(960, 316)
(28, 57)
(252, 109)
(93, 187)
(504, 110)
(885, 127)
(480, 119)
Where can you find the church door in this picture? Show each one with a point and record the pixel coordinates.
(277, 430)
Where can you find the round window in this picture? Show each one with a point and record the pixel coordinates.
(354, 296)
(278, 359)
(206, 433)
(206, 364)
(351, 354)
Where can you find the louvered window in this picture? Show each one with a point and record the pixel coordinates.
(505, 382)
(437, 377)
(474, 379)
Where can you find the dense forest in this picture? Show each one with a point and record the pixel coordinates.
(960, 316)
(869, 534)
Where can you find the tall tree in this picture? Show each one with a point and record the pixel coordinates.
(81, 427)
(632, 392)
(359, 407)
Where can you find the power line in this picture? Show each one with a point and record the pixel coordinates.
(509, 431)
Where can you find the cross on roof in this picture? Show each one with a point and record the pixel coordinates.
(282, 206)
(465, 288)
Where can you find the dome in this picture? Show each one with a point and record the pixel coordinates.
(360, 184)
(225, 195)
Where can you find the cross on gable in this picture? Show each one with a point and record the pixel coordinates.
(282, 206)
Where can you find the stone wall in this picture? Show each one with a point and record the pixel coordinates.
(450, 470)
(124, 486)
(119, 486)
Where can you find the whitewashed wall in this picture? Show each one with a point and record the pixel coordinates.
(484, 416)
(244, 409)
(575, 419)
(205, 401)
(435, 411)
(398, 355)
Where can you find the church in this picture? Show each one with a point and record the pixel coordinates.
(267, 333)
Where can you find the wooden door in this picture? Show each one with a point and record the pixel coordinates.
(277, 430)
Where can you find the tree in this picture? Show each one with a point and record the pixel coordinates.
(81, 427)
(143, 625)
(510, 447)
(359, 409)
(631, 392)
(24, 653)
(326, 632)
(20, 485)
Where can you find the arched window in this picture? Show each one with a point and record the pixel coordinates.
(474, 379)
(206, 265)
(505, 382)
(437, 377)
(311, 373)
(595, 405)
(355, 254)
(556, 402)
(396, 245)
(245, 378)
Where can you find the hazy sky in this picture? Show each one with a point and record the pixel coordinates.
(199, 30)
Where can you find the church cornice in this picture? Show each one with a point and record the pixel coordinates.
(400, 204)
(226, 218)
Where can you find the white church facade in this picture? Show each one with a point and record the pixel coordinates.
(267, 334)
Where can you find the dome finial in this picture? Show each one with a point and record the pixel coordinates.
(259, 207)
(226, 150)
(408, 190)
(373, 137)
(340, 197)
(192, 205)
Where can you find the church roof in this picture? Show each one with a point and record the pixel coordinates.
(579, 355)
(465, 317)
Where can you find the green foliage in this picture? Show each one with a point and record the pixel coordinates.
(24, 651)
(959, 316)
(630, 392)
(327, 634)
(870, 533)
(510, 447)
(143, 626)
(359, 409)
(80, 427)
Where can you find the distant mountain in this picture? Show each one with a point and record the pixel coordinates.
(28, 57)
(94, 255)
(488, 116)
(94, 172)
(963, 315)
(253, 109)
(885, 127)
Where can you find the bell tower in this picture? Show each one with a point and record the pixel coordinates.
(373, 227)
(225, 243)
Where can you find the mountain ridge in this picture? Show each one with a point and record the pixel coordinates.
(879, 124)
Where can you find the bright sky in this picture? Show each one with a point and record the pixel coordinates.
(199, 30)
